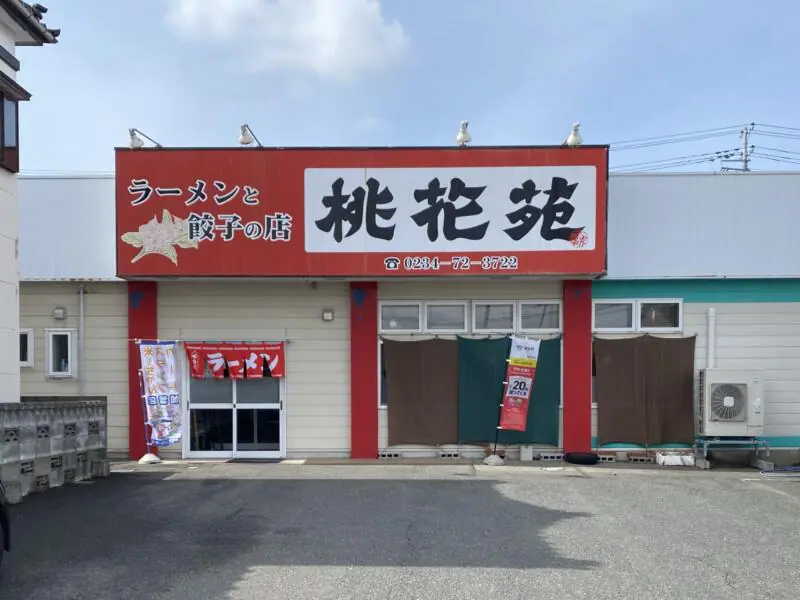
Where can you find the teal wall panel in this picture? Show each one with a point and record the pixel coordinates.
(700, 290)
(775, 441)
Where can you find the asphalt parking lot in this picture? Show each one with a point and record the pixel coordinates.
(234, 531)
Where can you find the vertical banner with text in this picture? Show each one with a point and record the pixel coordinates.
(162, 399)
(520, 374)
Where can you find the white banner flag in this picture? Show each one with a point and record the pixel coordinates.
(162, 399)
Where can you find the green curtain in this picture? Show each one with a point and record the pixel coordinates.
(481, 371)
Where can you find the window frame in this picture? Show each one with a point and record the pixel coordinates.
(551, 302)
(7, 162)
(514, 320)
(31, 358)
(637, 315)
(462, 303)
(642, 301)
(416, 303)
(48, 337)
(634, 313)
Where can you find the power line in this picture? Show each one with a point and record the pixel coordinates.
(717, 130)
(779, 150)
(705, 156)
(665, 164)
(680, 140)
(777, 159)
(778, 127)
(778, 135)
(670, 165)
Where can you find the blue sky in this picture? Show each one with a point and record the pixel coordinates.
(406, 72)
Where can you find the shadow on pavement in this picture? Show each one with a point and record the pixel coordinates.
(144, 535)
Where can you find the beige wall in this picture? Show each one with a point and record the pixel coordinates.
(106, 359)
(758, 335)
(317, 358)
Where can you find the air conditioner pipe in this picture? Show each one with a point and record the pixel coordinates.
(711, 342)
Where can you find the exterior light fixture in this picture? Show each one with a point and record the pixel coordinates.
(327, 315)
(247, 137)
(136, 141)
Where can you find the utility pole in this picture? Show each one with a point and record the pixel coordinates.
(745, 136)
(744, 153)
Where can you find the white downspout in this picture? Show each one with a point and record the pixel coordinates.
(711, 342)
(81, 341)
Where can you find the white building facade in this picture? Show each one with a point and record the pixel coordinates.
(20, 25)
(686, 243)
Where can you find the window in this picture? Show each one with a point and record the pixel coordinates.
(655, 315)
(543, 315)
(210, 391)
(401, 317)
(446, 317)
(613, 315)
(9, 158)
(266, 390)
(660, 315)
(26, 358)
(497, 317)
(60, 359)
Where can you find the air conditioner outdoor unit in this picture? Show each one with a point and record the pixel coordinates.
(730, 403)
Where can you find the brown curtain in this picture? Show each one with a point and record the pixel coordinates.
(620, 390)
(422, 391)
(669, 378)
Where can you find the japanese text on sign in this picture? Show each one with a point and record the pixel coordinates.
(501, 209)
(219, 192)
(206, 226)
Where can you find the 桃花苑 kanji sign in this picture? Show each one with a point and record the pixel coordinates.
(340, 212)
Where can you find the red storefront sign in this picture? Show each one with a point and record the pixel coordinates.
(356, 212)
(242, 360)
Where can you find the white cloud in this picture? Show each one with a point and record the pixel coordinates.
(332, 39)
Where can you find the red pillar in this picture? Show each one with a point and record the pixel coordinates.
(577, 412)
(142, 325)
(364, 370)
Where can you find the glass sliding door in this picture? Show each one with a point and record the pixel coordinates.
(259, 418)
(235, 418)
(211, 426)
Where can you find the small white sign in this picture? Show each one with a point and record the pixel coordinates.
(524, 348)
(476, 209)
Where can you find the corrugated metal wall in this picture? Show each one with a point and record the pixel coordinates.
(703, 225)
